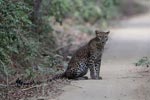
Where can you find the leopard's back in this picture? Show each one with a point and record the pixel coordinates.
(80, 55)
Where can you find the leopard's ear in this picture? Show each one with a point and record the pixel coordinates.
(96, 32)
(107, 32)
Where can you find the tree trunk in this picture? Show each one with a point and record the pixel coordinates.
(36, 13)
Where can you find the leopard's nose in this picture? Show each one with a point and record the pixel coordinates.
(106, 39)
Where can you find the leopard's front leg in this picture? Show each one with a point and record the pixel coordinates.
(97, 68)
(94, 72)
(94, 66)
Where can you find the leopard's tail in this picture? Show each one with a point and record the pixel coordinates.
(20, 83)
(58, 76)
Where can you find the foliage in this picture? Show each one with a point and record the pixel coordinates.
(19, 44)
(27, 42)
(54, 8)
(89, 10)
(14, 27)
(143, 62)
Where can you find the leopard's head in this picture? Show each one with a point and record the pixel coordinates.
(102, 36)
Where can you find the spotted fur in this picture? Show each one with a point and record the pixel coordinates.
(87, 57)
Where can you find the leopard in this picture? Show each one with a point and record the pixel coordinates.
(88, 57)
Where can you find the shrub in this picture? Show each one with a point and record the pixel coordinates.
(143, 62)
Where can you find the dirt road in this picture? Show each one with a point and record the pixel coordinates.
(121, 79)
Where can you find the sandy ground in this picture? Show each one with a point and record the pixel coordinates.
(121, 79)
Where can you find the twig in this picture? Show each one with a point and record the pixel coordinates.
(35, 86)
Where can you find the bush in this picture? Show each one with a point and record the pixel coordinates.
(23, 42)
(90, 10)
(143, 62)
(14, 27)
